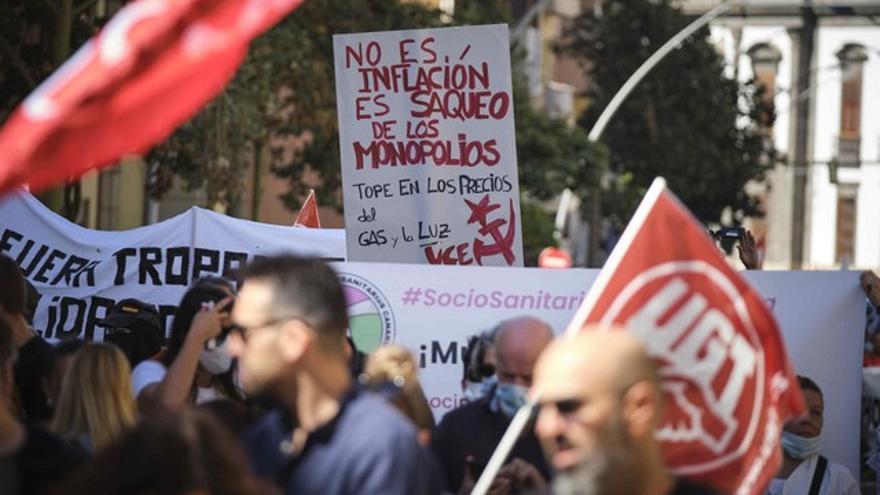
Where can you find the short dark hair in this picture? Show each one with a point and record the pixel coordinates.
(808, 384)
(189, 306)
(306, 288)
(67, 347)
(215, 281)
(13, 291)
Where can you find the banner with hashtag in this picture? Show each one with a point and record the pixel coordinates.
(433, 310)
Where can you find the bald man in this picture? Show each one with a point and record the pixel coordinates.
(601, 401)
(467, 436)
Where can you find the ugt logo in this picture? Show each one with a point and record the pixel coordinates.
(696, 324)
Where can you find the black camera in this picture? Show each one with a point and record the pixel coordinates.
(728, 233)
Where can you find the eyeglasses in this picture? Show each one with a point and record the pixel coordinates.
(245, 331)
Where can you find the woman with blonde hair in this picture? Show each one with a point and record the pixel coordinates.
(391, 371)
(95, 405)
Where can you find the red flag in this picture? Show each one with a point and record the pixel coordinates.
(308, 213)
(148, 70)
(728, 382)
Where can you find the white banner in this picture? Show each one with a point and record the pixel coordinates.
(81, 273)
(433, 310)
(427, 146)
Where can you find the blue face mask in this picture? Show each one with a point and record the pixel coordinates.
(510, 398)
(799, 447)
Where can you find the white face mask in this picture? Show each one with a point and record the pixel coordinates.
(216, 361)
(799, 447)
(473, 391)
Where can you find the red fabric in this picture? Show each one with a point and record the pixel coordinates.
(728, 381)
(308, 214)
(554, 257)
(148, 70)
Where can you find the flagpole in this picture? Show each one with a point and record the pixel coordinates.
(521, 418)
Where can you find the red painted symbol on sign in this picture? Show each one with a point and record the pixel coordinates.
(503, 243)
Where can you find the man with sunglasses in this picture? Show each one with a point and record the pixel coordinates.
(467, 436)
(326, 436)
(600, 402)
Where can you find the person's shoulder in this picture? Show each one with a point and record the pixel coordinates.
(36, 344)
(369, 410)
(39, 439)
(44, 451)
(271, 424)
(840, 472)
(466, 413)
(146, 373)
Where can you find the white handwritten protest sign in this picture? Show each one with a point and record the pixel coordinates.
(427, 146)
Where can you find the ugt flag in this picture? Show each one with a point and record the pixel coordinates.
(728, 382)
(148, 70)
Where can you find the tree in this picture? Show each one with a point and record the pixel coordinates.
(36, 37)
(686, 121)
(285, 91)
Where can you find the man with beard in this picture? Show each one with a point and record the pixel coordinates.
(600, 402)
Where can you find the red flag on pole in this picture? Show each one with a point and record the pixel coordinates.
(308, 213)
(149, 69)
(728, 382)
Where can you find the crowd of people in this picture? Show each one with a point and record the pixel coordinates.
(259, 389)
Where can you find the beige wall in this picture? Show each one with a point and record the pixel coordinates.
(131, 204)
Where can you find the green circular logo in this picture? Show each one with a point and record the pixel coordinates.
(370, 319)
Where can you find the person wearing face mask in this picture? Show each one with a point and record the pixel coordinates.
(479, 366)
(804, 471)
(196, 367)
(467, 436)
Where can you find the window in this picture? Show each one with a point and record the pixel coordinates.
(845, 248)
(765, 65)
(852, 58)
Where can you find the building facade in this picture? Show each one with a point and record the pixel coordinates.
(819, 63)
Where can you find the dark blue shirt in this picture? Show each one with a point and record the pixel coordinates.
(369, 448)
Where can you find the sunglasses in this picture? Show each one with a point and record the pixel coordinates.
(244, 332)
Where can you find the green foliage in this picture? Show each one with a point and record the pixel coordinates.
(31, 46)
(286, 89)
(538, 231)
(308, 72)
(686, 121)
